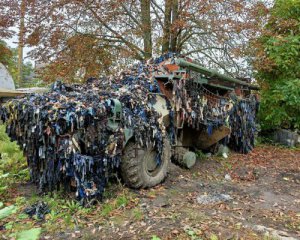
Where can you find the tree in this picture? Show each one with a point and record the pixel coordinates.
(278, 66)
(12, 14)
(21, 41)
(79, 61)
(8, 17)
(215, 31)
(9, 58)
(5, 53)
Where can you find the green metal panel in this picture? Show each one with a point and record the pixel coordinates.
(220, 86)
(113, 122)
(128, 132)
(212, 73)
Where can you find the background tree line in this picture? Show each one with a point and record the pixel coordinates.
(9, 58)
(96, 34)
(277, 65)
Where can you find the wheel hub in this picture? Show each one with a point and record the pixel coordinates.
(151, 163)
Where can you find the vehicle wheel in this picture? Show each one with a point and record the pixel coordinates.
(139, 168)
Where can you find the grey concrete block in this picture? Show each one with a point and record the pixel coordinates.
(287, 137)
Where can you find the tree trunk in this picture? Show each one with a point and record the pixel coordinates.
(146, 25)
(21, 42)
(167, 26)
(174, 30)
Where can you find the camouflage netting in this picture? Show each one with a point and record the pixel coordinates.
(71, 136)
(65, 133)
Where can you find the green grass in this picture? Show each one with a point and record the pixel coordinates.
(200, 155)
(122, 201)
(119, 202)
(137, 214)
(107, 208)
(13, 166)
(65, 212)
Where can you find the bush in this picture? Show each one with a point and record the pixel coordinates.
(13, 166)
(278, 67)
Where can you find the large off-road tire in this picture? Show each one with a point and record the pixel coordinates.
(139, 168)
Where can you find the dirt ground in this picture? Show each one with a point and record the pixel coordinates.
(261, 201)
(253, 196)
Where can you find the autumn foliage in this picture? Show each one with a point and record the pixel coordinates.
(91, 34)
(8, 17)
(81, 58)
(216, 32)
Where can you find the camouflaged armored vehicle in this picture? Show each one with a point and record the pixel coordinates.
(134, 123)
(201, 109)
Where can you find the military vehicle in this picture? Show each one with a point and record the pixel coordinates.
(191, 108)
(139, 168)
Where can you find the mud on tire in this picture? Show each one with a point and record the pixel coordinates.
(138, 166)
